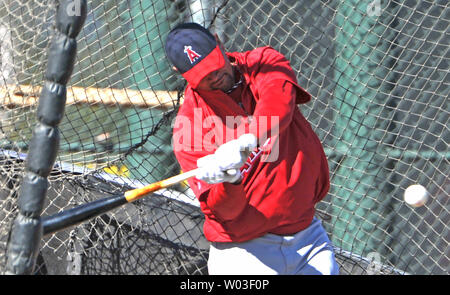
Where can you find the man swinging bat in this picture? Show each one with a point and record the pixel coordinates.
(259, 220)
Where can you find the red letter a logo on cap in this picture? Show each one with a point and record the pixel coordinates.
(193, 56)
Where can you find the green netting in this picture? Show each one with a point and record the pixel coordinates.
(359, 98)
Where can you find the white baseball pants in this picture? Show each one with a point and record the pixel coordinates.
(308, 252)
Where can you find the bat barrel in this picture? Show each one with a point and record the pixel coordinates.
(79, 214)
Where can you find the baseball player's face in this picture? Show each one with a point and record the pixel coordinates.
(222, 79)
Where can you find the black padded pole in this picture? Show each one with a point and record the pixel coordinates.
(26, 233)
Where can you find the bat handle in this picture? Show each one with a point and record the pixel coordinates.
(138, 193)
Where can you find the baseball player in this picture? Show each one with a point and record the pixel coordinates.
(263, 168)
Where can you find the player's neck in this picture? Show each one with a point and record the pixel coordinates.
(238, 79)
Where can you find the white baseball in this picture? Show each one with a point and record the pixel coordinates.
(416, 195)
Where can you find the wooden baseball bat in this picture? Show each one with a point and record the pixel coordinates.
(74, 216)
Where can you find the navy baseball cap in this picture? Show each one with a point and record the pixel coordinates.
(193, 50)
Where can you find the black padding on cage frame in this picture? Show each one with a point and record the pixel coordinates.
(34, 187)
(26, 232)
(52, 103)
(21, 257)
(44, 146)
(70, 17)
(61, 58)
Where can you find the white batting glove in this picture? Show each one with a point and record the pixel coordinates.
(229, 156)
(211, 173)
(234, 154)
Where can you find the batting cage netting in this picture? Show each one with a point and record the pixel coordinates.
(378, 74)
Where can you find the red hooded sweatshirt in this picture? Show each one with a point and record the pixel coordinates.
(283, 178)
